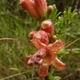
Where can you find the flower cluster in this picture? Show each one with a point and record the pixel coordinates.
(46, 54)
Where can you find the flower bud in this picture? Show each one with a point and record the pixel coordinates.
(43, 71)
(41, 6)
(30, 7)
(40, 35)
(48, 27)
(49, 9)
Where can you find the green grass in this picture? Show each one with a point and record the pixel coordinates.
(15, 25)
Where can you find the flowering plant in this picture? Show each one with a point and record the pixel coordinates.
(47, 51)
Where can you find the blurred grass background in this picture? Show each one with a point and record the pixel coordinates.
(15, 25)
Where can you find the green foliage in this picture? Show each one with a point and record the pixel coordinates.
(65, 21)
(15, 25)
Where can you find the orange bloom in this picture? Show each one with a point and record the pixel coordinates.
(29, 6)
(47, 56)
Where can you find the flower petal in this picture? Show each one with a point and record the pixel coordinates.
(56, 46)
(38, 44)
(43, 71)
(58, 64)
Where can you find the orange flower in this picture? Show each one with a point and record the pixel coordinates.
(29, 6)
(47, 26)
(47, 56)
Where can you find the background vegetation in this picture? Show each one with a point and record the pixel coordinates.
(15, 25)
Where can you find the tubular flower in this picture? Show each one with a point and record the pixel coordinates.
(29, 6)
(41, 6)
(40, 35)
(47, 56)
(47, 26)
